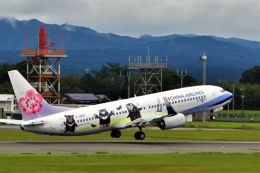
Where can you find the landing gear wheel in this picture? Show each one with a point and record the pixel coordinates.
(212, 117)
(115, 134)
(139, 135)
(142, 135)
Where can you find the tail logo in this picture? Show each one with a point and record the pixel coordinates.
(31, 103)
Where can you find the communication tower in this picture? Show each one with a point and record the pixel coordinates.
(43, 67)
(147, 75)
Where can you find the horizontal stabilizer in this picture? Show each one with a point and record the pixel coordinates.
(11, 122)
(33, 123)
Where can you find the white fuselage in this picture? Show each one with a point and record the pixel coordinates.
(185, 100)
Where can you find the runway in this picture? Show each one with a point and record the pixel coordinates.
(128, 147)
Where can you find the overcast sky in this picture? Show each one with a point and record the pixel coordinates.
(227, 18)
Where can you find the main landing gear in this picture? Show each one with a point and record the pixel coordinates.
(140, 135)
(212, 116)
(115, 134)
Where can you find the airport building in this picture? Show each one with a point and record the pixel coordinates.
(6, 103)
(84, 98)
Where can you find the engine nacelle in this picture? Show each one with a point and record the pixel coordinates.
(172, 122)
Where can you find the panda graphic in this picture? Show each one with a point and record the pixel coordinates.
(70, 124)
(134, 111)
(104, 118)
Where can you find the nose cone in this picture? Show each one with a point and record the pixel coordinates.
(229, 95)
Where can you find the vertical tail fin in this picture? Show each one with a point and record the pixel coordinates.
(30, 102)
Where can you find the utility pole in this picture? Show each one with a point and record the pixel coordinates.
(242, 98)
(182, 75)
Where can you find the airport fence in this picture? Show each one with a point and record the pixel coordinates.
(232, 117)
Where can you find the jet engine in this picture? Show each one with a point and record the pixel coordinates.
(172, 122)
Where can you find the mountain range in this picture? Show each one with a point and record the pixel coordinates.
(89, 49)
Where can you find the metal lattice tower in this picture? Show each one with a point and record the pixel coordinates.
(148, 75)
(43, 68)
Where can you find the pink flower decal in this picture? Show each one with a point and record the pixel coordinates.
(31, 103)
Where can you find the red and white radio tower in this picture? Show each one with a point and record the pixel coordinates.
(43, 67)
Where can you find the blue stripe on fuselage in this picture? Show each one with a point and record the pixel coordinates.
(219, 100)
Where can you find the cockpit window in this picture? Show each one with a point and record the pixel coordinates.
(222, 91)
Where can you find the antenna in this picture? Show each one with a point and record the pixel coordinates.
(148, 50)
(62, 31)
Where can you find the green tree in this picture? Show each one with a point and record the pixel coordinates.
(22, 68)
(251, 76)
(4, 68)
(71, 84)
(172, 81)
(106, 81)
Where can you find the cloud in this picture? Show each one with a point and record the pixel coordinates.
(230, 18)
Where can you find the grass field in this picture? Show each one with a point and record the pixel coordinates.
(141, 163)
(151, 135)
(225, 125)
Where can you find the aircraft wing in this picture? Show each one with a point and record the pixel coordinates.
(11, 122)
(154, 119)
(21, 122)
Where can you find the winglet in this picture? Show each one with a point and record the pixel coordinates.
(169, 107)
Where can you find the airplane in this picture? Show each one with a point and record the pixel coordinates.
(165, 110)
